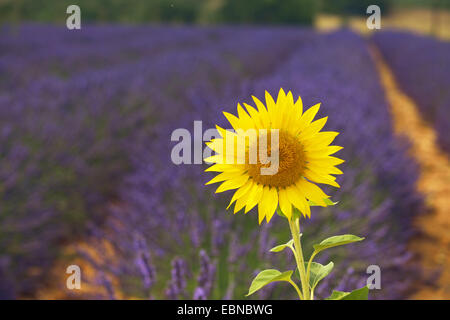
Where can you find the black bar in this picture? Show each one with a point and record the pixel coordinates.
(219, 309)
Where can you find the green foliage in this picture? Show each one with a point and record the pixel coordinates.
(193, 11)
(318, 272)
(281, 247)
(268, 276)
(269, 11)
(310, 273)
(185, 11)
(336, 241)
(130, 11)
(354, 7)
(315, 272)
(358, 294)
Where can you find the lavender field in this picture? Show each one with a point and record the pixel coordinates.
(85, 124)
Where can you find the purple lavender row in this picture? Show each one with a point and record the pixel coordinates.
(421, 65)
(68, 140)
(167, 204)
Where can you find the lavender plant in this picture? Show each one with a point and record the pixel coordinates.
(85, 124)
(368, 197)
(420, 64)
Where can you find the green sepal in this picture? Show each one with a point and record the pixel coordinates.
(327, 201)
(296, 213)
(280, 213)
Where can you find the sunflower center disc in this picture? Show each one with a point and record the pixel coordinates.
(291, 162)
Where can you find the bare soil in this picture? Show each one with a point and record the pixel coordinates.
(433, 244)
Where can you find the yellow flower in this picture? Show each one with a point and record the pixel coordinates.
(304, 156)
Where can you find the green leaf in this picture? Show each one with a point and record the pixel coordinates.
(358, 294)
(318, 272)
(337, 295)
(336, 241)
(281, 247)
(328, 202)
(267, 276)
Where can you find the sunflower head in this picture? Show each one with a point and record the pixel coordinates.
(274, 156)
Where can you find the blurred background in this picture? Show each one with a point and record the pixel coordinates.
(86, 118)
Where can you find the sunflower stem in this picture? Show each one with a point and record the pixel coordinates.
(294, 225)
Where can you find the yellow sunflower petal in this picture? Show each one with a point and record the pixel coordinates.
(232, 119)
(232, 183)
(324, 179)
(307, 117)
(216, 145)
(326, 151)
(268, 204)
(270, 103)
(261, 209)
(297, 198)
(218, 158)
(289, 98)
(263, 113)
(307, 212)
(225, 176)
(327, 161)
(272, 200)
(224, 168)
(312, 192)
(279, 114)
(255, 116)
(298, 107)
(245, 121)
(320, 140)
(240, 192)
(256, 194)
(285, 204)
(225, 133)
(328, 169)
(281, 96)
(313, 128)
(241, 202)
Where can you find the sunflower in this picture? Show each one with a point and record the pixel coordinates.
(303, 157)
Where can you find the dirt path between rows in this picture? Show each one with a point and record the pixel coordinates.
(433, 244)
